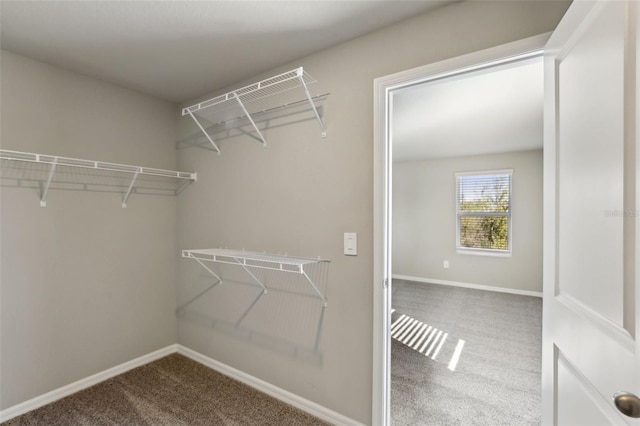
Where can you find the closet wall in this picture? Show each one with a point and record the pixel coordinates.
(85, 284)
(301, 193)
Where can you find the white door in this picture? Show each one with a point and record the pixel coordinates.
(592, 297)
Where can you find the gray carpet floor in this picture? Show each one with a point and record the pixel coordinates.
(496, 380)
(171, 391)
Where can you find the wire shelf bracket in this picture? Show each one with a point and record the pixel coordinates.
(248, 259)
(265, 95)
(56, 164)
(45, 189)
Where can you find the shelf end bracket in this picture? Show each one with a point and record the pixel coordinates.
(45, 189)
(204, 131)
(315, 110)
(243, 265)
(315, 288)
(264, 141)
(130, 190)
(207, 268)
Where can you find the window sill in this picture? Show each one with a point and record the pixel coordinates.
(483, 252)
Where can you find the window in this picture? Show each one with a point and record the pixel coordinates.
(483, 210)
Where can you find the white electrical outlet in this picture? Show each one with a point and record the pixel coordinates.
(445, 264)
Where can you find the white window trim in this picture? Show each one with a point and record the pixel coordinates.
(482, 251)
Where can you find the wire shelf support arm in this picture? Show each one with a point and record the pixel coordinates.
(47, 185)
(215, 147)
(303, 84)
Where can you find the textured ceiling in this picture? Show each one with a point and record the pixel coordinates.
(179, 50)
(495, 110)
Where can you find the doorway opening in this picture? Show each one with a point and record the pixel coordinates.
(467, 247)
(426, 263)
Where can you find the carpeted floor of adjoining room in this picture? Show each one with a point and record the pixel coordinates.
(172, 391)
(496, 380)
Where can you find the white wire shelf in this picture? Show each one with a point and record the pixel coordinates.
(285, 89)
(250, 259)
(47, 172)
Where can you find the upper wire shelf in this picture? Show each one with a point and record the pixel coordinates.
(54, 172)
(279, 91)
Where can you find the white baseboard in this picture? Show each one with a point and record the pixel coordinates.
(468, 285)
(271, 390)
(274, 391)
(81, 384)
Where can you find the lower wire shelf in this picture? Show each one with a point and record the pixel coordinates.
(249, 259)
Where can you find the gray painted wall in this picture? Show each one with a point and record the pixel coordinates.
(301, 194)
(424, 222)
(85, 284)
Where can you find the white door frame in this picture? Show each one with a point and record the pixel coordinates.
(383, 87)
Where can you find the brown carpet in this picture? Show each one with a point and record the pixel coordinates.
(172, 391)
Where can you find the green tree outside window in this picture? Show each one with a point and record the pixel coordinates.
(484, 210)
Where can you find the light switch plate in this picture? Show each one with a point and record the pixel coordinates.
(350, 243)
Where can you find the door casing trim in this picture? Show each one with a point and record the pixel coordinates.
(382, 173)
